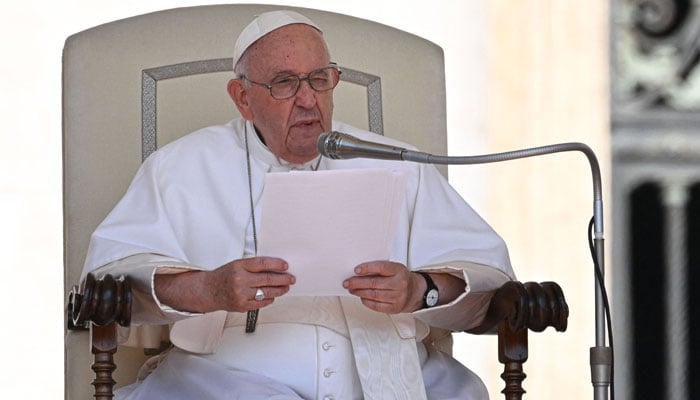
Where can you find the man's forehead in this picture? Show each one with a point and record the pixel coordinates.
(293, 49)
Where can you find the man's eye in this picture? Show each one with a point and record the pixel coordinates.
(284, 81)
(319, 78)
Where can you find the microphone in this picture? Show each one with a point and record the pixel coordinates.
(341, 146)
(338, 145)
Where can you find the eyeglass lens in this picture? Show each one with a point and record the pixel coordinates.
(320, 80)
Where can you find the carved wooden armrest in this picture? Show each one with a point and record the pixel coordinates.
(99, 305)
(515, 308)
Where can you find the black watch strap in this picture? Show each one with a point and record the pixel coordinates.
(431, 295)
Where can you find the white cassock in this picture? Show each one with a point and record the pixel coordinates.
(188, 207)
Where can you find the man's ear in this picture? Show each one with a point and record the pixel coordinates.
(239, 95)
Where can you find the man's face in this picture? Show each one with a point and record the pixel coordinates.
(289, 127)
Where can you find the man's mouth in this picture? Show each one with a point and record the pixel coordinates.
(306, 125)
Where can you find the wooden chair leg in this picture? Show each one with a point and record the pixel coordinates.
(104, 345)
(512, 352)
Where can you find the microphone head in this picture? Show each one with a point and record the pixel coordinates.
(327, 144)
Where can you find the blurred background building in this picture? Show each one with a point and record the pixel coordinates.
(655, 132)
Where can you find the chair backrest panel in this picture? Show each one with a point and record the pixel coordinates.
(104, 109)
(198, 85)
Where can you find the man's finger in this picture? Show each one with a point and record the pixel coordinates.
(261, 264)
(383, 268)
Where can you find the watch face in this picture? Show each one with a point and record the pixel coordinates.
(431, 298)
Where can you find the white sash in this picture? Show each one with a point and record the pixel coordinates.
(387, 363)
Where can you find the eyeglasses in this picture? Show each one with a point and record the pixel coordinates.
(286, 86)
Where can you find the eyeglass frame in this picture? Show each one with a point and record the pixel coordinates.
(300, 78)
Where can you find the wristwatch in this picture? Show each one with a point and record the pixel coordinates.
(431, 295)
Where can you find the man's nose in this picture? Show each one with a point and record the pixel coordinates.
(306, 96)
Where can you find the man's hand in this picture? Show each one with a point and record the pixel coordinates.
(392, 288)
(387, 287)
(230, 287)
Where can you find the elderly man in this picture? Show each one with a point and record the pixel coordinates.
(185, 233)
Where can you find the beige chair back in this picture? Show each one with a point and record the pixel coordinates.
(132, 85)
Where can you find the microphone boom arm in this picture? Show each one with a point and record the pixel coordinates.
(426, 158)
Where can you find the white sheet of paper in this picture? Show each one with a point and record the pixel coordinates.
(325, 223)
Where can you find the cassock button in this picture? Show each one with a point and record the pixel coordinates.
(328, 397)
(326, 346)
(328, 372)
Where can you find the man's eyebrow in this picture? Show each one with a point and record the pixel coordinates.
(287, 72)
(283, 73)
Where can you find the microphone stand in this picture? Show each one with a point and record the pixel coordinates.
(601, 356)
